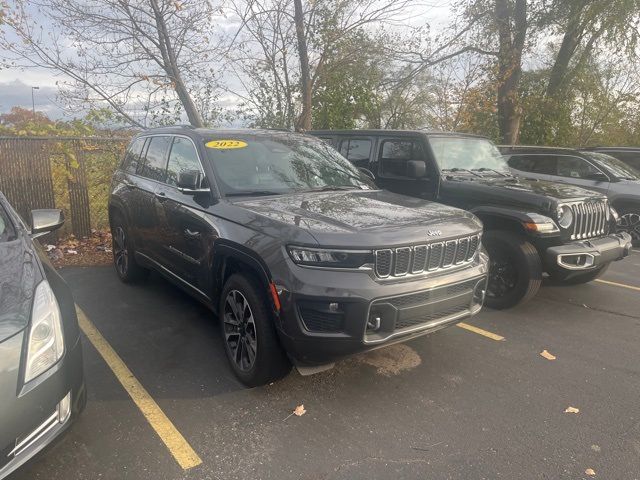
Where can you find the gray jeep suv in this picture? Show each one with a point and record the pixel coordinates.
(301, 256)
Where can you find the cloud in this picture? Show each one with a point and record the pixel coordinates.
(18, 93)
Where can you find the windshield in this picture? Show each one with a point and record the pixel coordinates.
(615, 166)
(247, 164)
(460, 153)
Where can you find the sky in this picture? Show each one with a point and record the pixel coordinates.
(15, 83)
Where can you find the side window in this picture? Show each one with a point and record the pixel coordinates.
(575, 167)
(394, 155)
(155, 163)
(183, 157)
(540, 164)
(132, 157)
(356, 150)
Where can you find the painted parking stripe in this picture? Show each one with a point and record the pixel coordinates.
(616, 284)
(480, 331)
(176, 444)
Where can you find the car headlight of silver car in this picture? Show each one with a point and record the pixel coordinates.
(46, 340)
(565, 216)
(330, 258)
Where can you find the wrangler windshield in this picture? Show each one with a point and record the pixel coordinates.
(470, 154)
(279, 163)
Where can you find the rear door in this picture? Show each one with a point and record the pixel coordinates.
(391, 158)
(184, 230)
(151, 173)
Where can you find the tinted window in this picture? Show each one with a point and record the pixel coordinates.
(183, 157)
(156, 159)
(356, 149)
(6, 227)
(394, 155)
(541, 164)
(575, 167)
(132, 157)
(279, 163)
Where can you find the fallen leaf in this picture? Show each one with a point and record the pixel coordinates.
(572, 410)
(299, 411)
(547, 355)
(590, 471)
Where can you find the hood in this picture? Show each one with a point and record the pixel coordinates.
(518, 192)
(362, 218)
(19, 275)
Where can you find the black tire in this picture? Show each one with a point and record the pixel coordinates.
(515, 271)
(566, 278)
(252, 345)
(124, 259)
(630, 222)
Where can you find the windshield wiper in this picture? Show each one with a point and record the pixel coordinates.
(334, 188)
(456, 169)
(484, 169)
(252, 193)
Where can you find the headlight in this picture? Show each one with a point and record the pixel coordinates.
(322, 257)
(565, 216)
(46, 341)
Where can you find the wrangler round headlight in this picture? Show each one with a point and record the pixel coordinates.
(565, 216)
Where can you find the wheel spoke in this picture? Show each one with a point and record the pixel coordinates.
(240, 330)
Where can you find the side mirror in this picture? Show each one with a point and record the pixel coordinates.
(190, 182)
(46, 220)
(416, 169)
(367, 173)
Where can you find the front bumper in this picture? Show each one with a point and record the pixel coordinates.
(588, 254)
(333, 314)
(39, 414)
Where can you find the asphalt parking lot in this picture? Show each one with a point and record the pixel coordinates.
(456, 404)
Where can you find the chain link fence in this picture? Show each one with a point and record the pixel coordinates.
(69, 173)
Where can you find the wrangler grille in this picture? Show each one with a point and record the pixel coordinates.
(401, 261)
(590, 219)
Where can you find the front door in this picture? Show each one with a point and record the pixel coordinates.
(391, 167)
(580, 172)
(186, 230)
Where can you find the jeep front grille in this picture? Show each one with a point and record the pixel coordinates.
(590, 219)
(401, 261)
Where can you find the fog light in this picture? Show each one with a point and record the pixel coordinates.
(374, 323)
(64, 408)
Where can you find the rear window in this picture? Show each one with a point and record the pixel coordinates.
(7, 232)
(132, 157)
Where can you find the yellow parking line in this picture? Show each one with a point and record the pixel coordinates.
(479, 331)
(178, 447)
(622, 285)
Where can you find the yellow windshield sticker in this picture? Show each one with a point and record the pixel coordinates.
(226, 144)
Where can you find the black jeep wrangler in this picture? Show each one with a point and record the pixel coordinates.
(299, 254)
(530, 226)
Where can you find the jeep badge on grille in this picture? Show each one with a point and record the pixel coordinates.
(434, 233)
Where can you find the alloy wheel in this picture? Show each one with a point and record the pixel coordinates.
(502, 277)
(240, 330)
(120, 253)
(630, 223)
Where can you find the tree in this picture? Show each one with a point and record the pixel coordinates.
(286, 47)
(132, 55)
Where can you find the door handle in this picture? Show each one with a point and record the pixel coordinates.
(160, 196)
(191, 233)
